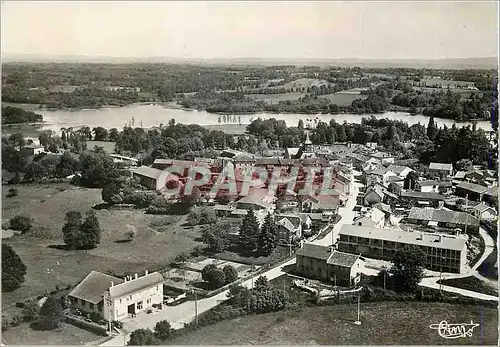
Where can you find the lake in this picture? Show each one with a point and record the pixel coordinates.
(154, 115)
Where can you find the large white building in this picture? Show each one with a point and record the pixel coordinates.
(115, 298)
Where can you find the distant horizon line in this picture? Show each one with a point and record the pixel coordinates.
(46, 55)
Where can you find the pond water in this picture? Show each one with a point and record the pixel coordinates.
(154, 115)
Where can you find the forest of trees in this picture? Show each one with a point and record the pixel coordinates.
(222, 89)
(16, 115)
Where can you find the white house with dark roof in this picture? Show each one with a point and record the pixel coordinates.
(151, 178)
(327, 264)
(117, 299)
(288, 227)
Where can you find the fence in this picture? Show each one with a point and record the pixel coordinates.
(94, 328)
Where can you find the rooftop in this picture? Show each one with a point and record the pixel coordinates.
(343, 259)
(442, 216)
(314, 251)
(148, 172)
(476, 188)
(422, 195)
(411, 238)
(440, 166)
(93, 287)
(135, 285)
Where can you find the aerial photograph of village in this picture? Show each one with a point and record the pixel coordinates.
(249, 173)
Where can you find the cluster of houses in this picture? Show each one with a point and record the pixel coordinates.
(433, 219)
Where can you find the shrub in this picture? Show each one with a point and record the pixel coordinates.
(163, 330)
(142, 337)
(206, 270)
(159, 206)
(181, 258)
(216, 279)
(50, 314)
(21, 223)
(30, 311)
(12, 192)
(20, 304)
(140, 199)
(231, 273)
(202, 215)
(96, 317)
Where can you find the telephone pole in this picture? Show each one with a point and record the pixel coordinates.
(358, 322)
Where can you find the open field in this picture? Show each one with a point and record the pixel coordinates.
(470, 283)
(66, 335)
(276, 98)
(159, 239)
(386, 323)
(343, 99)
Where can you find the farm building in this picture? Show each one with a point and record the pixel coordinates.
(117, 299)
(445, 219)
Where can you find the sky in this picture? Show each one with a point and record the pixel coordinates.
(322, 30)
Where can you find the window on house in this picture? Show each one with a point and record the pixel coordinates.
(130, 297)
(91, 306)
(148, 301)
(139, 305)
(156, 288)
(120, 301)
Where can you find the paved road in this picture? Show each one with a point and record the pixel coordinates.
(185, 313)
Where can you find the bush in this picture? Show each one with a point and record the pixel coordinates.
(181, 258)
(216, 279)
(20, 304)
(231, 273)
(163, 330)
(12, 192)
(21, 223)
(202, 215)
(96, 317)
(206, 270)
(142, 337)
(159, 206)
(140, 199)
(30, 311)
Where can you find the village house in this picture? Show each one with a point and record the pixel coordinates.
(401, 171)
(427, 186)
(442, 252)
(321, 203)
(374, 218)
(326, 264)
(289, 227)
(471, 191)
(421, 198)
(444, 219)
(484, 212)
(151, 178)
(444, 169)
(117, 299)
(377, 193)
(30, 150)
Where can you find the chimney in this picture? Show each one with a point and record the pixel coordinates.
(146, 273)
(136, 276)
(112, 284)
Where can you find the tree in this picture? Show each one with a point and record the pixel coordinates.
(231, 273)
(142, 337)
(432, 129)
(30, 311)
(21, 223)
(100, 134)
(239, 295)
(216, 236)
(249, 232)
(301, 124)
(98, 169)
(81, 235)
(410, 180)
(262, 284)
(394, 188)
(206, 270)
(216, 278)
(50, 314)
(163, 330)
(407, 268)
(71, 229)
(13, 269)
(67, 166)
(267, 236)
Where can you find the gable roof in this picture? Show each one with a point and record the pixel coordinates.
(136, 285)
(383, 207)
(481, 207)
(442, 216)
(427, 183)
(476, 188)
(147, 171)
(398, 169)
(311, 250)
(93, 287)
(423, 195)
(288, 221)
(440, 166)
(343, 259)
